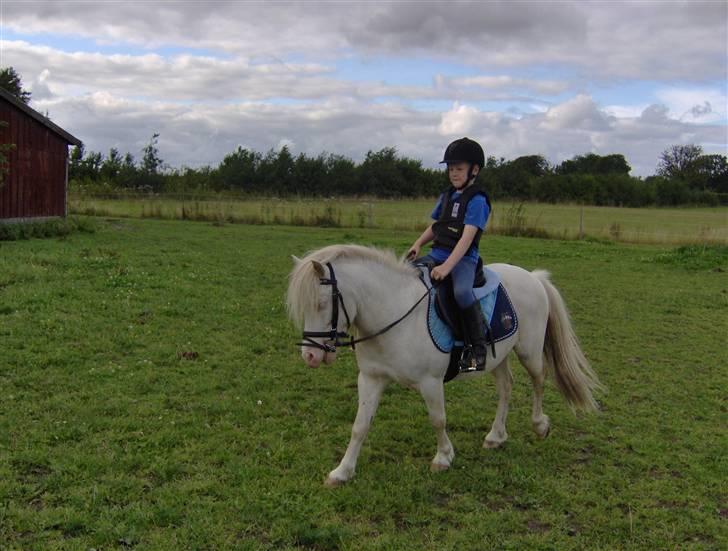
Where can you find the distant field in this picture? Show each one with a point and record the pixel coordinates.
(153, 398)
(647, 225)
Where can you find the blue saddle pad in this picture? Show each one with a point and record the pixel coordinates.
(494, 302)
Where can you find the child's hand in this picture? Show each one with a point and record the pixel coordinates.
(413, 253)
(439, 272)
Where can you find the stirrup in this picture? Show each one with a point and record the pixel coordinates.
(467, 363)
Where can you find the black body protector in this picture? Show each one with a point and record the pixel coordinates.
(448, 229)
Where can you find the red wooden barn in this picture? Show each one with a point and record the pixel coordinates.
(37, 181)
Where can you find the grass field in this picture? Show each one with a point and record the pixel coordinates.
(152, 398)
(646, 225)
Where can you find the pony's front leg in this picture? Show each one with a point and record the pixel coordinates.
(370, 390)
(434, 394)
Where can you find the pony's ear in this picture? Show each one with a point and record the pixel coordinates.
(320, 271)
(295, 259)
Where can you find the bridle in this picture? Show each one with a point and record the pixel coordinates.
(334, 335)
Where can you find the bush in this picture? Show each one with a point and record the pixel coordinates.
(57, 227)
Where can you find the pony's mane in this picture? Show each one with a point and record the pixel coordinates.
(303, 282)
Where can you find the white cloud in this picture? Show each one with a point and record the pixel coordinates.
(624, 111)
(578, 113)
(459, 120)
(704, 105)
(39, 88)
(285, 142)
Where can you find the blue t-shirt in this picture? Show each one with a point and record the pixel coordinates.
(475, 215)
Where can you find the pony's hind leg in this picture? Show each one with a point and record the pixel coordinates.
(534, 364)
(370, 391)
(434, 395)
(503, 382)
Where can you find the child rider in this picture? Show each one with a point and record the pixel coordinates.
(460, 216)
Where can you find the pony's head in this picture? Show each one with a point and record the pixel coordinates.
(310, 299)
(310, 309)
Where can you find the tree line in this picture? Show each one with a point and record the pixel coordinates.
(684, 176)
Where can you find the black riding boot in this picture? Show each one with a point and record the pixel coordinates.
(474, 357)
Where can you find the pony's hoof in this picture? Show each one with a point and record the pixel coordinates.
(543, 428)
(495, 439)
(332, 482)
(545, 433)
(438, 467)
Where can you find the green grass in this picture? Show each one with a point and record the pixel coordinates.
(152, 398)
(644, 225)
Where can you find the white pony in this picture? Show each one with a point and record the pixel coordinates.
(374, 289)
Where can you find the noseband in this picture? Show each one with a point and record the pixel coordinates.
(334, 335)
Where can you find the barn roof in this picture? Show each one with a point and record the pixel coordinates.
(40, 118)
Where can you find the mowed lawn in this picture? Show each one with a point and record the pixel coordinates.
(152, 398)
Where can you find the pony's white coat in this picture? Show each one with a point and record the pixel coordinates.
(377, 288)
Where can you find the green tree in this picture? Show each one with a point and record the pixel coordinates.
(111, 166)
(128, 173)
(592, 163)
(91, 165)
(380, 174)
(710, 173)
(678, 161)
(282, 172)
(533, 165)
(84, 166)
(151, 161)
(10, 82)
(237, 170)
(309, 174)
(74, 163)
(151, 176)
(340, 176)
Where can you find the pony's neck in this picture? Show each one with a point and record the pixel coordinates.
(381, 294)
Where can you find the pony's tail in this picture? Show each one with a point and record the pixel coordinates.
(574, 377)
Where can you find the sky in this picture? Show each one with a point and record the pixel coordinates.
(554, 78)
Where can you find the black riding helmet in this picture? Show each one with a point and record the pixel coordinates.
(464, 150)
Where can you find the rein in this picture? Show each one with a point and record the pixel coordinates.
(334, 335)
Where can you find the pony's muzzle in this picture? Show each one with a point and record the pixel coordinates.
(312, 356)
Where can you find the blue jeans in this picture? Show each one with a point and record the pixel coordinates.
(463, 276)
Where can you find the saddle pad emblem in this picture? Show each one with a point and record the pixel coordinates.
(507, 321)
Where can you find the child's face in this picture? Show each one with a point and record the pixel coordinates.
(458, 173)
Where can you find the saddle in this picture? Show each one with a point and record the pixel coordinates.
(446, 306)
(447, 311)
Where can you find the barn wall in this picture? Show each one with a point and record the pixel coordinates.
(36, 183)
